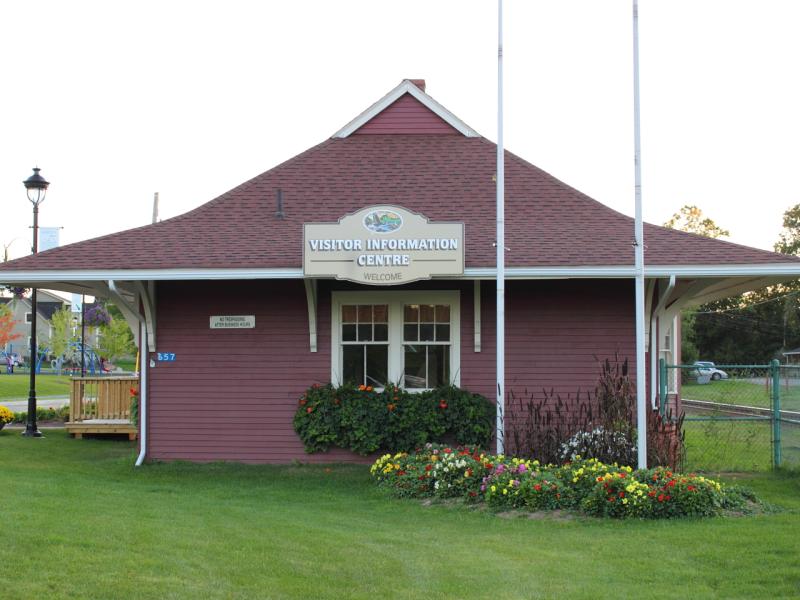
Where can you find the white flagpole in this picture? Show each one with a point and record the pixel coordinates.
(501, 234)
(641, 400)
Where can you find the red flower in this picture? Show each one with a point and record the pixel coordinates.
(622, 494)
(537, 487)
(309, 410)
(651, 494)
(390, 407)
(671, 483)
(401, 472)
(303, 402)
(691, 488)
(134, 391)
(622, 475)
(447, 451)
(362, 387)
(442, 404)
(369, 388)
(428, 467)
(473, 494)
(661, 497)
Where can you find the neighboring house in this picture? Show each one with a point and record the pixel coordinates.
(47, 304)
(792, 356)
(371, 257)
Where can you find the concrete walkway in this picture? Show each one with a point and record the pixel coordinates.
(21, 404)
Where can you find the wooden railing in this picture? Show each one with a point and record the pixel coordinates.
(101, 398)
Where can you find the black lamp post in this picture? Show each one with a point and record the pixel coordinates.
(36, 185)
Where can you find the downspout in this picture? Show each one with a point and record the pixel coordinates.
(143, 397)
(654, 339)
(143, 373)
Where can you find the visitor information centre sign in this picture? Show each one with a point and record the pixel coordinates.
(383, 245)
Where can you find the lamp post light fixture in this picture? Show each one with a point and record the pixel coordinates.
(36, 186)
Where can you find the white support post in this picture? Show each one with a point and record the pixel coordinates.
(311, 301)
(476, 307)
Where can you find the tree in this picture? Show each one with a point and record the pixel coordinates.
(61, 324)
(690, 219)
(7, 324)
(116, 339)
(789, 239)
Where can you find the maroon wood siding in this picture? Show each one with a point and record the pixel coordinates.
(556, 334)
(406, 115)
(231, 394)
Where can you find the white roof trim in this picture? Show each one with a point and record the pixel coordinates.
(788, 270)
(406, 87)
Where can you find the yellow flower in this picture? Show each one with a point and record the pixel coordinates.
(505, 490)
(493, 488)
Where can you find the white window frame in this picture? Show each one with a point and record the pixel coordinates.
(396, 301)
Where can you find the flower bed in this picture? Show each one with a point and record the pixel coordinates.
(588, 486)
(366, 420)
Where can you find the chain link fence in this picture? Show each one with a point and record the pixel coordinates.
(737, 417)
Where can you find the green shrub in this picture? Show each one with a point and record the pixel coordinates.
(365, 420)
(45, 414)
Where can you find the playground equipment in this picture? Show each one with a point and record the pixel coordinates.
(73, 355)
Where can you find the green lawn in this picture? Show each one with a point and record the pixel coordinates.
(18, 385)
(81, 522)
(742, 393)
(714, 446)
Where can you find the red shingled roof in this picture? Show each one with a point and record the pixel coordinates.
(444, 177)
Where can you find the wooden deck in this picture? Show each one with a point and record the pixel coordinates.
(101, 405)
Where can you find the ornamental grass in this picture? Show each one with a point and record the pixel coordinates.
(588, 486)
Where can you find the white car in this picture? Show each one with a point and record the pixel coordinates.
(705, 367)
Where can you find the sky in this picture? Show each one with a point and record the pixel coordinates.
(115, 101)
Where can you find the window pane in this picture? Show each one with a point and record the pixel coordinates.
(348, 313)
(381, 312)
(442, 333)
(348, 333)
(411, 313)
(377, 365)
(438, 365)
(442, 313)
(410, 333)
(353, 364)
(364, 313)
(426, 313)
(414, 371)
(364, 333)
(381, 332)
(426, 332)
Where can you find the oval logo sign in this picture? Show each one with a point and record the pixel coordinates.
(382, 221)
